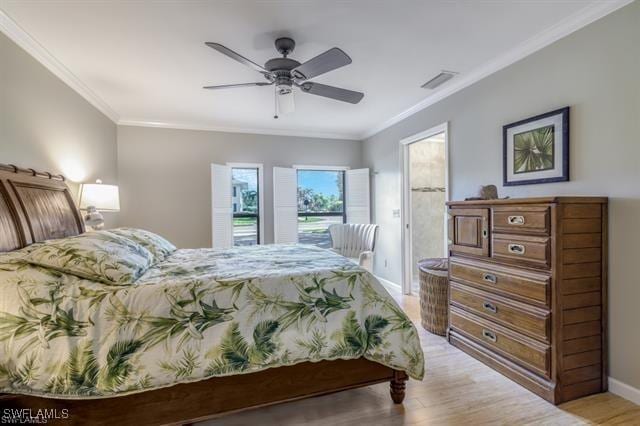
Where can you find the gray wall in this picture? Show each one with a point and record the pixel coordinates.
(46, 125)
(596, 71)
(164, 174)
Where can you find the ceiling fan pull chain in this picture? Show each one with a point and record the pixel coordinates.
(275, 102)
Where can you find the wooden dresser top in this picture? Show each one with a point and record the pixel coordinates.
(533, 200)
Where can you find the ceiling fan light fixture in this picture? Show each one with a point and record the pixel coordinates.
(284, 89)
(439, 79)
(286, 103)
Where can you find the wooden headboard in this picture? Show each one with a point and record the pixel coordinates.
(35, 206)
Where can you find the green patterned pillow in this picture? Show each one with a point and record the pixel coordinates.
(99, 256)
(157, 245)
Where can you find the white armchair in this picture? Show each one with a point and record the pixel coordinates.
(355, 241)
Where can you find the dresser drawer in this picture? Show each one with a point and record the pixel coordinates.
(522, 285)
(525, 319)
(520, 349)
(521, 250)
(522, 220)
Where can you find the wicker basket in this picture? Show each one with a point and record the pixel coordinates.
(434, 289)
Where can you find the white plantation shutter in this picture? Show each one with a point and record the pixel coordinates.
(357, 196)
(285, 205)
(221, 211)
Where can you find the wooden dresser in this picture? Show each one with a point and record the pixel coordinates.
(528, 290)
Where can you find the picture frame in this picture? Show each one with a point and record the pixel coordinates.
(536, 149)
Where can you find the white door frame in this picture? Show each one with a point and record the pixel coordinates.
(405, 207)
(260, 168)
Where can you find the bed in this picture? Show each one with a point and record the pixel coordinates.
(198, 333)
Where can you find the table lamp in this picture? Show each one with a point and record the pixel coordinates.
(96, 198)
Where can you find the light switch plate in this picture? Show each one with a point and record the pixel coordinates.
(396, 212)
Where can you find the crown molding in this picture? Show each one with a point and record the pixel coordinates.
(272, 132)
(572, 23)
(19, 36)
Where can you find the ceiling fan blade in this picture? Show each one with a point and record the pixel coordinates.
(324, 62)
(332, 92)
(231, 86)
(286, 103)
(236, 56)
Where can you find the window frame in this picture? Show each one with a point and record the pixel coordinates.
(260, 188)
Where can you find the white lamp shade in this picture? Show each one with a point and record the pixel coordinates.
(102, 197)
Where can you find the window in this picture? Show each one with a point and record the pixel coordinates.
(320, 204)
(246, 205)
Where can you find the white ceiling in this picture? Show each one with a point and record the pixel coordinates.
(146, 60)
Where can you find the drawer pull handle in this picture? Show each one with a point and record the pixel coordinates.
(489, 335)
(516, 248)
(490, 307)
(490, 278)
(515, 220)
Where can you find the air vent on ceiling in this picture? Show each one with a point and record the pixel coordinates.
(439, 79)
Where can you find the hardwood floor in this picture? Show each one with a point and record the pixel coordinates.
(457, 390)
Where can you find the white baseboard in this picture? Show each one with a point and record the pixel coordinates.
(624, 390)
(389, 283)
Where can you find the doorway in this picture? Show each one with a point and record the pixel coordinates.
(425, 190)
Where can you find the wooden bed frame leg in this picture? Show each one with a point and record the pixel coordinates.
(398, 385)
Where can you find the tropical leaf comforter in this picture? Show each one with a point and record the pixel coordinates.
(197, 314)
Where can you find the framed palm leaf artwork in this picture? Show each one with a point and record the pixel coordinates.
(536, 150)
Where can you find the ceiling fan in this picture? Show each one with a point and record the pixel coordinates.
(286, 73)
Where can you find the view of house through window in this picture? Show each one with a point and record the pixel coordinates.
(320, 204)
(245, 205)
